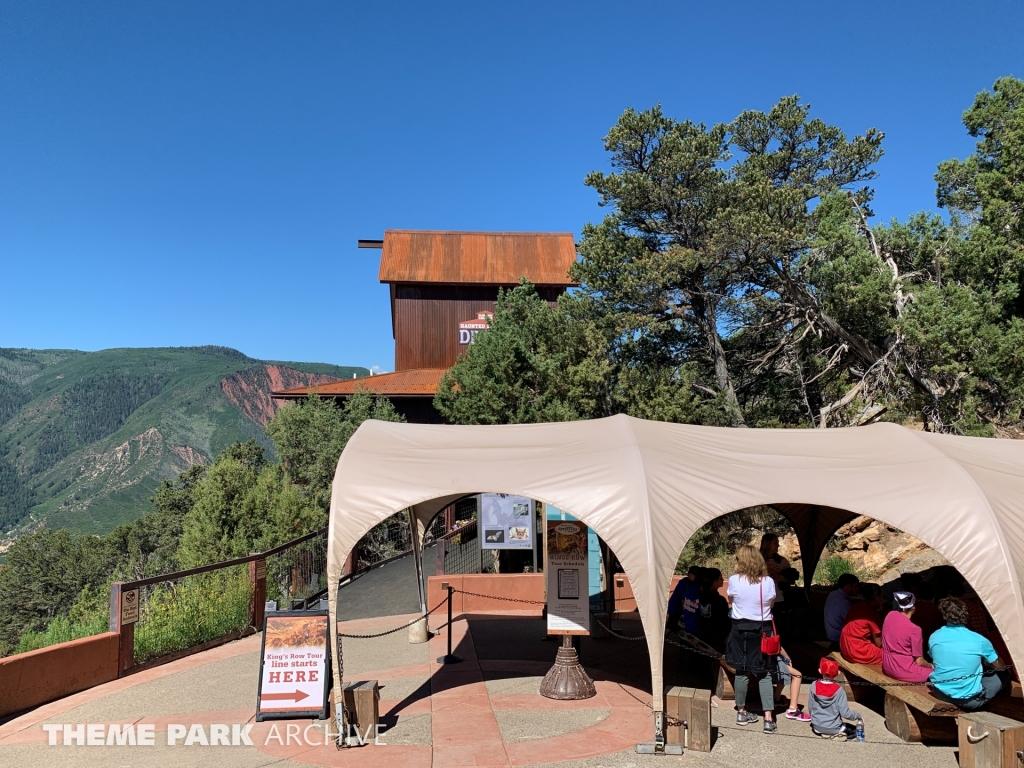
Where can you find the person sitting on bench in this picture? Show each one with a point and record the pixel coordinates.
(837, 605)
(861, 638)
(828, 705)
(926, 613)
(902, 642)
(959, 654)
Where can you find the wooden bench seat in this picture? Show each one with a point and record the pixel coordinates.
(913, 712)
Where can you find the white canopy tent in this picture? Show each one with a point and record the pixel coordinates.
(646, 486)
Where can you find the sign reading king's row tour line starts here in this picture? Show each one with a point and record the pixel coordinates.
(567, 578)
(294, 666)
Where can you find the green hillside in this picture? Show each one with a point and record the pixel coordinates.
(85, 437)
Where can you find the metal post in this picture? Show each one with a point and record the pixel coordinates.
(449, 658)
(479, 533)
(124, 629)
(533, 537)
(658, 746)
(258, 588)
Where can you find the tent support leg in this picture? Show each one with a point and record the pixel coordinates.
(418, 632)
(658, 746)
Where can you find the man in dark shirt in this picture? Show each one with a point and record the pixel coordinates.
(685, 602)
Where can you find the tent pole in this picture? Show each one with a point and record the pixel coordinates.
(418, 631)
(417, 557)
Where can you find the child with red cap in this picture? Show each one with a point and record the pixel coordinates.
(828, 705)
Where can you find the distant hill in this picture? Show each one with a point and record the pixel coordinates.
(85, 437)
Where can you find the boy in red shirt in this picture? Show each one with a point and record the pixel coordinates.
(861, 638)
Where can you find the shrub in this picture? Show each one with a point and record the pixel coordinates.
(831, 568)
(61, 630)
(199, 609)
(88, 616)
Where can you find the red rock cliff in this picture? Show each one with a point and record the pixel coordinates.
(250, 389)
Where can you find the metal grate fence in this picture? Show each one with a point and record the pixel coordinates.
(182, 610)
(298, 572)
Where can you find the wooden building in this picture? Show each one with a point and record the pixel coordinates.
(443, 289)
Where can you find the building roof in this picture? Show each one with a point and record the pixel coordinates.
(417, 382)
(485, 258)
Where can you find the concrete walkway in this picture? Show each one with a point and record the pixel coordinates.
(386, 591)
(484, 712)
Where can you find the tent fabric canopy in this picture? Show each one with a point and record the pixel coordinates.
(646, 486)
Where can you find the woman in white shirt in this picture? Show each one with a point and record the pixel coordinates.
(751, 593)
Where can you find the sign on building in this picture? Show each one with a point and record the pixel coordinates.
(507, 521)
(567, 578)
(294, 672)
(468, 329)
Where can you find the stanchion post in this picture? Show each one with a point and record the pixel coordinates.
(449, 658)
(258, 590)
(122, 621)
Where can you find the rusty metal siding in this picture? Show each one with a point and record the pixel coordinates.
(427, 321)
(482, 258)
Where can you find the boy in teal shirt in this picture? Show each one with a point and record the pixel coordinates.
(958, 654)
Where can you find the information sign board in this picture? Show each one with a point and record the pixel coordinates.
(566, 568)
(294, 666)
(129, 606)
(507, 521)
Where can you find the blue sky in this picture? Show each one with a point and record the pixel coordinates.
(198, 173)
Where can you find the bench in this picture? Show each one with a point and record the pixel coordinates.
(912, 712)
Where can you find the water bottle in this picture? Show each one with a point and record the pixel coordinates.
(860, 731)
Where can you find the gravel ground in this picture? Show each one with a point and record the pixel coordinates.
(407, 729)
(499, 682)
(226, 684)
(43, 756)
(519, 725)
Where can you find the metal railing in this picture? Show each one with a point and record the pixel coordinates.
(169, 614)
(459, 551)
(172, 612)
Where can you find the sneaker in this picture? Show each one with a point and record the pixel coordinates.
(796, 714)
(770, 726)
(743, 718)
(841, 736)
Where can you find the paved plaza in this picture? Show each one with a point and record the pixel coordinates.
(485, 711)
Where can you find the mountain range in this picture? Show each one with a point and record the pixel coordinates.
(86, 437)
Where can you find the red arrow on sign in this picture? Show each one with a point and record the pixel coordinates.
(297, 696)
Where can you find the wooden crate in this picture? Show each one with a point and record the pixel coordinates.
(692, 706)
(361, 701)
(988, 740)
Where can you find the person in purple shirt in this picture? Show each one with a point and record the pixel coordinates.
(903, 643)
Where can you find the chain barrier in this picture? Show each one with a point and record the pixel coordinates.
(692, 644)
(385, 633)
(399, 628)
(496, 597)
